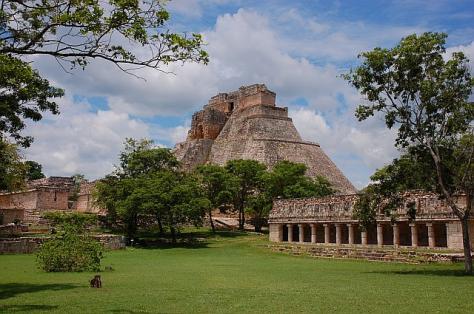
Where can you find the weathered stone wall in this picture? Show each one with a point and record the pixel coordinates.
(454, 234)
(22, 199)
(207, 124)
(10, 215)
(53, 199)
(193, 153)
(26, 245)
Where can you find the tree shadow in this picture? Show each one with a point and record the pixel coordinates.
(191, 240)
(425, 272)
(26, 308)
(9, 290)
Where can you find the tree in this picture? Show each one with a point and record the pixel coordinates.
(71, 248)
(122, 192)
(131, 34)
(249, 175)
(177, 197)
(24, 94)
(140, 158)
(35, 170)
(148, 183)
(12, 170)
(286, 180)
(219, 187)
(426, 98)
(77, 180)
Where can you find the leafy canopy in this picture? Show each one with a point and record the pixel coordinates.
(71, 248)
(131, 34)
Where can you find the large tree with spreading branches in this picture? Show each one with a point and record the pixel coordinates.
(131, 34)
(424, 93)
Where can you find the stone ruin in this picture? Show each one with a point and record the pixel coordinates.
(246, 124)
(43, 195)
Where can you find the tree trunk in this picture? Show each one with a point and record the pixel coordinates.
(160, 225)
(241, 219)
(212, 222)
(173, 234)
(258, 225)
(467, 246)
(464, 217)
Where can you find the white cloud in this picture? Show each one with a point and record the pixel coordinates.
(189, 8)
(81, 141)
(468, 51)
(244, 48)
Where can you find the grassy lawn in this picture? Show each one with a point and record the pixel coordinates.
(234, 273)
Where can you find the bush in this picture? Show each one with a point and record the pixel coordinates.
(71, 249)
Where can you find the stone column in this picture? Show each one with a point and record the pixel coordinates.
(338, 234)
(280, 232)
(301, 232)
(363, 237)
(431, 235)
(414, 235)
(313, 233)
(350, 228)
(396, 235)
(379, 234)
(326, 233)
(290, 232)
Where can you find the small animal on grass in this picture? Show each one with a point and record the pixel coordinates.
(109, 268)
(96, 282)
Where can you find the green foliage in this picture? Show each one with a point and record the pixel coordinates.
(218, 185)
(140, 158)
(149, 184)
(77, 180)
(34, 170)
(248, 174)
(71, 248)
(12, 170)
(426, 97)
(257, 187)
(416, 89)
(365, 208)
(73, 33)
(96, 30)
(25, 95)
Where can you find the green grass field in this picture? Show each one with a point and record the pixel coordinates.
(234, 273)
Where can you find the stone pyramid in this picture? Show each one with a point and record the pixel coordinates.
(246, 124)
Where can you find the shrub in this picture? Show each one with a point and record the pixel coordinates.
(71, 248)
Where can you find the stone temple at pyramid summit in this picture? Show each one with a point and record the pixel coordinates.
(247, 124)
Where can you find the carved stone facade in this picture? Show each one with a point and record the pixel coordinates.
(330, 220)
(246, 124)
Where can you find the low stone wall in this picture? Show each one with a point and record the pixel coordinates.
(368, 253)
(26, 245)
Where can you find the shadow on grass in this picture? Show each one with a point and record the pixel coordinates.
(425, 272)
(26, 308)
(10, 290)
(191, 240)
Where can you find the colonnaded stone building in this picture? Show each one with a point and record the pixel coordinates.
(329, 220)
(246, 124)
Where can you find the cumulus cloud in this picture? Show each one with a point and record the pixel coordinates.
(245, 47)
(81, 140)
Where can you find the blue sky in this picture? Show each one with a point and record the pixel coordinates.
(297, 48)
